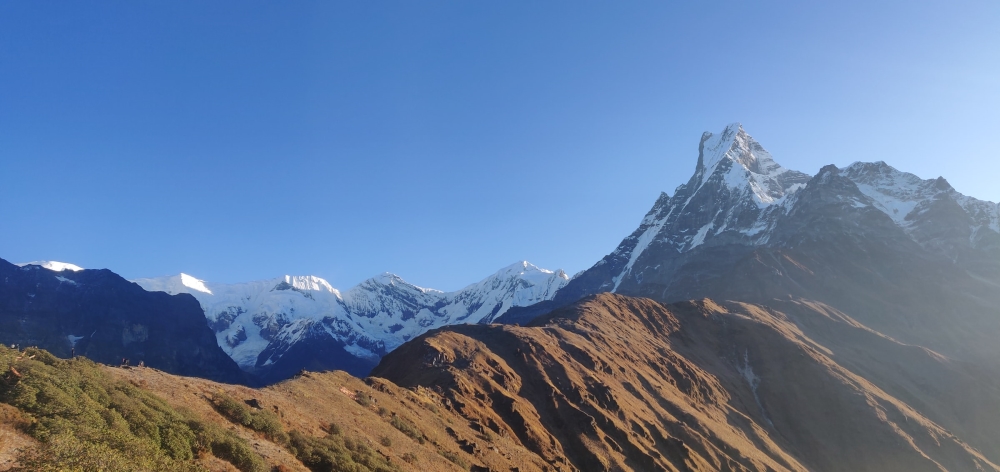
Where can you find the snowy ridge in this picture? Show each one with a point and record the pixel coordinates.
(52, 265)
(742, 165)
(519, 284)
(893, 192)
(987, 214)
(370, 319)
(902, 195)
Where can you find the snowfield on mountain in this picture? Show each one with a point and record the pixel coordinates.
(257, 322)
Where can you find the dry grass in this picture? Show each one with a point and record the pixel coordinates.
(317, 404)
(621, 383)
(12, 440)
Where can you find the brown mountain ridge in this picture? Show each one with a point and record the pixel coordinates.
(620, 383)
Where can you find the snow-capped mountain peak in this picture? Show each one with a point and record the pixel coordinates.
(716, 147)
(308, 283)
(55, 266)
(258, 322)
(527, 269)
(390, 279)
(733, 158)
(387, 278)
(735, 194)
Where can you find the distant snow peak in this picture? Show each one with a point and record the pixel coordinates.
(309, 282)
(55, 266)
(389, 279)
(734, 159)
(525, 267)
(368, 320)
(194, 284)
(519, 265)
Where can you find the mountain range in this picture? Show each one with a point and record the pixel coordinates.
(274, 328)
(740, 200)
(760, 318)
(905, 256)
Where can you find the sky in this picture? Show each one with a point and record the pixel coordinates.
(443, 140)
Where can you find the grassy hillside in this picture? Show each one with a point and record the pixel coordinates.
(58, 414)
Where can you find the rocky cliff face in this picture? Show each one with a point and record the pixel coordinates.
(96, 313)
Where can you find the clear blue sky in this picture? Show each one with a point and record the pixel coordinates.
(443, 140)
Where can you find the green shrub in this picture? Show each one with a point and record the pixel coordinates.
(363, 399)
(336, 454)
(65, 452)
(407, 428)
(227, 446)
(455, 459)
(332, 428)
(237, 452)
(385, 441)
(86, 420)
(262, 421)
